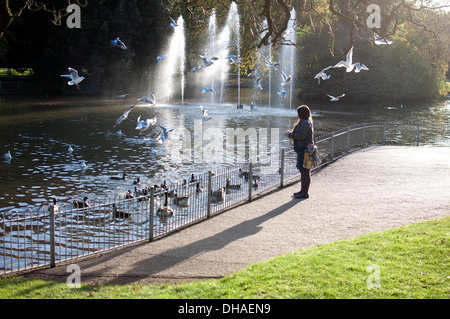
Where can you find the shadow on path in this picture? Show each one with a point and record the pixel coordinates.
(161, 262)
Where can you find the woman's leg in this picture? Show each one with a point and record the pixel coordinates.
(305, 180)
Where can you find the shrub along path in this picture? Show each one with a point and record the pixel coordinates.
(371, 190)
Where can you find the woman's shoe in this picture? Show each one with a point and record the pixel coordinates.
(301, 195)
(295, 194)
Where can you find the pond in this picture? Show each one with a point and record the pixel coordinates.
(38, 131)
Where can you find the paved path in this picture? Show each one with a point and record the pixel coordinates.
(371, 190)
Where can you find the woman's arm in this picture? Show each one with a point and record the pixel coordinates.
(300, 131)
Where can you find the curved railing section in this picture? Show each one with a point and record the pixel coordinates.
(54, 234)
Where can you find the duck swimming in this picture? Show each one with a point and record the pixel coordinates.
(120, 214)
(124, 177)
(81, 204)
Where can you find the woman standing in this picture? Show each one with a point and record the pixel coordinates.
(302, 136)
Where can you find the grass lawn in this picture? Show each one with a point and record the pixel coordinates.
(410, 262)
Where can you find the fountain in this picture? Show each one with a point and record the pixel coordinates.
(171, 67)
(288, 54)
(221, 45)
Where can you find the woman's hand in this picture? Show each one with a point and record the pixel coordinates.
(287, 133)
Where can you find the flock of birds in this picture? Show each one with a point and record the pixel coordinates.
(163, 190)
(143, 125)
(349, 67)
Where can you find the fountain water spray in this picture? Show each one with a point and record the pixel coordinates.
(172, 67)
(288, 54)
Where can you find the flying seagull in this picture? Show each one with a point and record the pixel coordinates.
(173, 23)
(347, 64)
(322, 75)
(122, 96)
(74, 78)
(207, 63)
(144, 125)
(117, 43)
(271, 64)
(359, 67)
(206, 90)
(282, 93)
(380, 40)
(335, 98)
(160, 58)
(205, 116)
(124, 115)
(235, 59)
(286, 78)
(252, 73)
(151, 100)
(196, 68)
(258, 83)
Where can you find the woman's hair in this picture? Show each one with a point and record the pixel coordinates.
(304, 113)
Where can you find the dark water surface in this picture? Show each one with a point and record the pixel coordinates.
(38, 131)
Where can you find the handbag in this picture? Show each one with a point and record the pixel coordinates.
(312, 158)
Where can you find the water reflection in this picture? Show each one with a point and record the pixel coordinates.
(38, 131)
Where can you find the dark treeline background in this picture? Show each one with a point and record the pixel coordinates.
(414, 67)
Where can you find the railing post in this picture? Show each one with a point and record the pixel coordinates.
(384, 134)
(364, 136)
(332, 145)
(209, 193)
(250, 180)
(348, 139)
(52, 236)
(152, 213)
(418, 134)
(283, 151)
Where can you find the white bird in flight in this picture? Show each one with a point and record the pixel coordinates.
(235, 59)
(206, 90)
(286, 78)
(347, 64)
(117, 43)
(205, 116)
(359, 67)
(173, 23)
(271, 64)
(196, 68)
(282, 93)
(335, 98)
(160, 58)
(151, 100)
(144, 125)
(122, 96)
(207, 63)
(379, 40)
(258, 83)
(124, 115)
(322, 75)
(252, 73)
(73, 76)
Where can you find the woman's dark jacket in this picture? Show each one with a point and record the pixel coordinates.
(303, 135)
